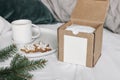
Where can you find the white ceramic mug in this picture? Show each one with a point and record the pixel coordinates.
(23, 31)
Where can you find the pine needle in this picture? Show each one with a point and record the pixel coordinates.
(7, 52)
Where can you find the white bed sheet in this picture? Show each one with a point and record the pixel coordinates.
(107, 68)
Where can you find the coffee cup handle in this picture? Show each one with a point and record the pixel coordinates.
(37, 31)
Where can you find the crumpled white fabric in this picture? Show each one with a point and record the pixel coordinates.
(5, 26)
(113, 17)
(61, 9)
(5, 33)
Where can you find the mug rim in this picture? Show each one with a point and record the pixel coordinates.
(21, 22)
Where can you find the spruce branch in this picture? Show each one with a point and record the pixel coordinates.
(22, 63)
(22, 66)
(19, 66)
(7, 52)
(33, 65)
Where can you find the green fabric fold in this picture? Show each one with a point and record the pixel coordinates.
(34, 10)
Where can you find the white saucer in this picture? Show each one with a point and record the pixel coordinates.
(48, 36)
(37, 54)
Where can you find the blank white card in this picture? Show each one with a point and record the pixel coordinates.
(75, 50)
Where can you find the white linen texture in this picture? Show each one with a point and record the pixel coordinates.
(107, 67)
(5, 26)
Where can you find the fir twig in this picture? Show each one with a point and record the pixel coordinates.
(19, 66)
(7, 52)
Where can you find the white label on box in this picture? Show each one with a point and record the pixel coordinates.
(75, 50)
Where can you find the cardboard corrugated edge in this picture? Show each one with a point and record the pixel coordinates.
(99, 38)
(60, 40)
(98, 43)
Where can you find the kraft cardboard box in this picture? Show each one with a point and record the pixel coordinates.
(83, 48)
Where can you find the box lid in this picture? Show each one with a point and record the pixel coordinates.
(90, 10)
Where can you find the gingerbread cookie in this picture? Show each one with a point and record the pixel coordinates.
(36, 47)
